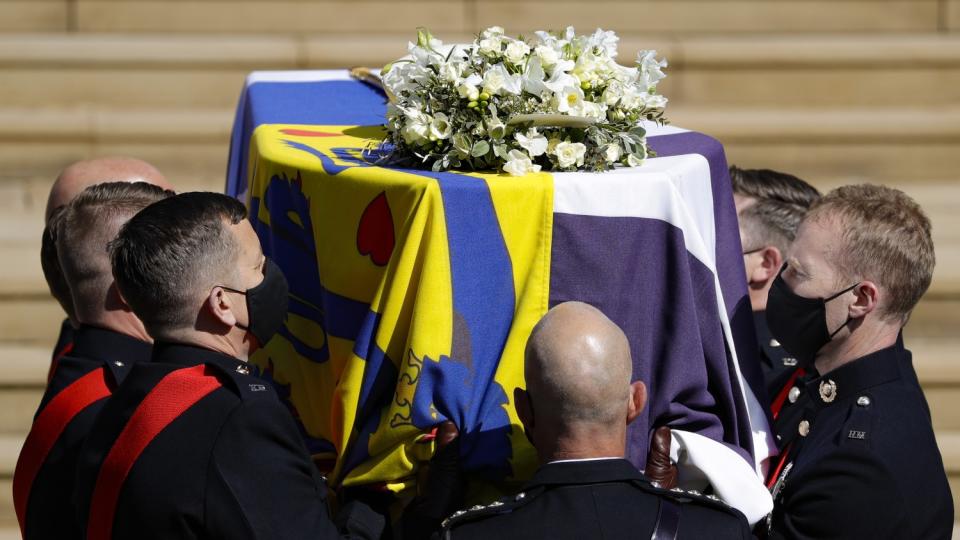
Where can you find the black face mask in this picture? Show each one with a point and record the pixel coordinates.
(799, 323)
(266, 304)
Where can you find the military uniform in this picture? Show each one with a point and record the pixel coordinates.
(606, 498)
(777, 364)
(194, 446)
(79, 385)
(63, 346)
(860, 456)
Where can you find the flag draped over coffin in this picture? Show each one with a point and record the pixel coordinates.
(413, 293)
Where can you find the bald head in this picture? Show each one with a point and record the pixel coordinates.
(83, 174)
(71, 182)
(578, 367)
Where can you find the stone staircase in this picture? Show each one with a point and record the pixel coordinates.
(836, 91)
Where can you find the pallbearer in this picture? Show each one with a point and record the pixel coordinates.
(72, 180)
(109, 340)
(770, 206)
(859, 455)
(194, 445)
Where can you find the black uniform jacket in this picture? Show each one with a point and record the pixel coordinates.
(775, 362)
(229, 464)
(49, 512)
(606, 498)
(63, 346)
(862, 460)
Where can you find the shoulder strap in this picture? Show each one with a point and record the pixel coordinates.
(171, 397)
(668, 520)
(47, 428)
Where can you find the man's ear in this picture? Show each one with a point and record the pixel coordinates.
(220, 306)
(638, 399)
(521, 400)
(115, 300)
(868, 298)
(770, 262)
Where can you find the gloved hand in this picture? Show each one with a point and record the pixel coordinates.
(440, 486)
(659, 467)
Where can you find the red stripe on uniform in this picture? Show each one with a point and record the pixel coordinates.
(47, 428)
(171, 397)
(56, 359)
(784, 392)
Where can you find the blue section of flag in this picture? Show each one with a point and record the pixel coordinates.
(291, 244)
(340, 103)
(483, 304)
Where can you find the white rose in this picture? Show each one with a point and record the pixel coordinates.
(570, 154)
(450, 72)
(548, 55)
(493, 31)
(440, 127)
(631, 98)
(493, 81)
(654, 101)
(519, 164)
(490, 46)
(593, 110)
(531, 141)
(613, 93)
(416, 129)
(516, 52)
(612, 153)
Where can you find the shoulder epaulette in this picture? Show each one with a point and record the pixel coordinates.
(504, 505)
(686, 496)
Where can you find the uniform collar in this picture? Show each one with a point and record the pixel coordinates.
(191, 355)
(850, 379)
(117, 351)
(773, 353)
(585, 472)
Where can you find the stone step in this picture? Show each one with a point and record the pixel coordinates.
(758, 70)
(687, 16)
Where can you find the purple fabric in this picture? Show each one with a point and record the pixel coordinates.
(730, 269)
(668, 311)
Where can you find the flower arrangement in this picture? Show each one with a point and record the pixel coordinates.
(557, 102)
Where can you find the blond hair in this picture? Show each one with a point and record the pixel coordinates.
(886, 238)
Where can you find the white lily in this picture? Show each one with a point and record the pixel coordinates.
(533, 142)
(497, 80)
(533, 76)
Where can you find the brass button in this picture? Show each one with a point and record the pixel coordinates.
(828, 391)
(794, 394)
(804, 428)
(774, 343)
(789, 361)
(863, 401)
(243, 370)
(118, 363)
